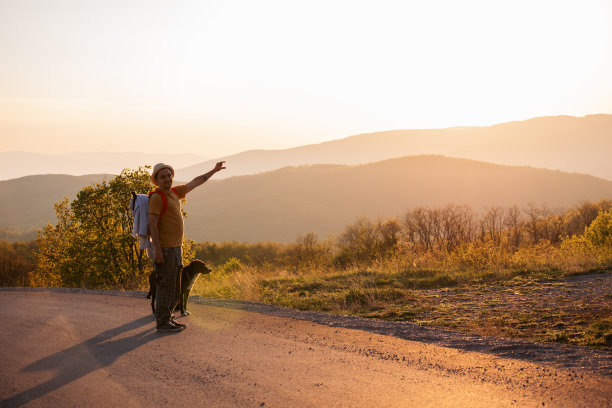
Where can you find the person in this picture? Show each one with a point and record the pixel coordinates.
(167, 239)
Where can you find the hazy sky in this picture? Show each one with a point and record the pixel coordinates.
(219, 77)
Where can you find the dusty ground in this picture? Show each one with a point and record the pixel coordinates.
(575, 309)
(538, 306)
(74, 348)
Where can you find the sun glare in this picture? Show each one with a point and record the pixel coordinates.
(234, 75)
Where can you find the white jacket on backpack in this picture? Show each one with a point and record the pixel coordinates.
(140, 206)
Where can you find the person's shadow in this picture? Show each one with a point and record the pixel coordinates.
(83, 358)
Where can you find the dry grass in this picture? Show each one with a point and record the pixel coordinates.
(518, 295)
(532, 292)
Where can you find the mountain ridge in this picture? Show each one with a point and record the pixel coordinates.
(325, 198)
(568, 143)
(16, 164)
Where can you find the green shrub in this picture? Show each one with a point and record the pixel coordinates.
(599, 233)
(232, 265)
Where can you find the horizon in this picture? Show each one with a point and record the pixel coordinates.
(230, 76)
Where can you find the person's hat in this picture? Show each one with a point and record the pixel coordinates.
(157, 168)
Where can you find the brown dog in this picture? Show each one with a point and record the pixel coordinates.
(188, 278)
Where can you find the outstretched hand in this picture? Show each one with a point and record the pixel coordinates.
(219, 166)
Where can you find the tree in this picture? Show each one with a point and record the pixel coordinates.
(583, 215)
(599, 233)
(491, 225)
(366, 241)
(418, 226)
(457, 225)
(534, 221)
(513, 222)
(439, 228)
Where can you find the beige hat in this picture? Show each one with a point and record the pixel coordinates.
(157, 168)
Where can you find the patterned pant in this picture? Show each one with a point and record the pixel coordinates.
(168, 283)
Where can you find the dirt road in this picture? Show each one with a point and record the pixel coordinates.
(81, 349)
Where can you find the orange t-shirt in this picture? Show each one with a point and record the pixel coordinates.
(171, 222)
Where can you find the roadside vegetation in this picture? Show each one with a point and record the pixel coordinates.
(514, 272)
(444, 267)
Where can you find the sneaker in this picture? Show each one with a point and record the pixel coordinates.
(169, 328)
(177, 324)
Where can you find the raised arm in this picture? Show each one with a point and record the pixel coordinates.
(198, 181)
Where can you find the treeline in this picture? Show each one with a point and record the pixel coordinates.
(452, 226)
(14, 234)
(17, 263)
(420, 231)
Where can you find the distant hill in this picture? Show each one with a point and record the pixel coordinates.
(19, 164)
(284, 203)
(567, 143)
(28, 201)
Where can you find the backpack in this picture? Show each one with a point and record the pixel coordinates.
(164, 201)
